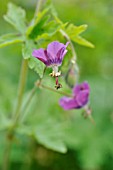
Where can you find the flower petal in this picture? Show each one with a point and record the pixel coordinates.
(68, 103)
(53, 49)
(82, 98)
(81, 87)
(54, 54)
(40, 54)
(56, 49)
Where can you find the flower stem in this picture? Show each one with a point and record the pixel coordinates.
(71, 44)
(31, 95)
(22, 81)
(38, 7)
(27, 104)
(16, 114)
(51, 89)
(9, 137)
(6, 161)
(73, 63)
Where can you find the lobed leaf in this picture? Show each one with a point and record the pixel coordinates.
(37, 29)
(49, 30)
(8, 39)
(41, 28)
(33, 63)
(27, 49)
(74, 34)
(50, 139)
(73, 30)
(82, 41)
(16, 16)
(37, 65)
(37, 23)
(51, 143)
(5, 122)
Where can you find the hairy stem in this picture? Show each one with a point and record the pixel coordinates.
(9, 139)
(38, 7)
(73, 63)
(6, 161)
(22, 82)
(71, 44)
(24, 113)
(31, 95)
(51, 89)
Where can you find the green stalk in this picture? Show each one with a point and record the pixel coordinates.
(56, 91)
(6, 155)
(38, 7)
(22, 82)
(74, 58)
(73, 61)
(16, 114)
(9, 136)
(24, 113)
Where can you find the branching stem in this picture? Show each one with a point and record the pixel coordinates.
(9, 137)
(73, 62)
(38, 7)
(22, 82)
(54, 90)
(16, 114)
(71, 44)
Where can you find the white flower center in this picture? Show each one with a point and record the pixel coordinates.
(55, 69)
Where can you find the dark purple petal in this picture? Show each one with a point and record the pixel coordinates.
(62, 52)
(53, 48)
(40, 54)
(53, 55)
(68, 103)
(80, 87)
(80, 97)
(56, 52)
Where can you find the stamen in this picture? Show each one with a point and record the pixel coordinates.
(58, 85)
(56, 80)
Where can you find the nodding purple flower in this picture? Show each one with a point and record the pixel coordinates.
(79, 98)
(52, 57)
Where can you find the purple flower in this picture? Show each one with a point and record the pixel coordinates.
(52, 56)
(79, 98)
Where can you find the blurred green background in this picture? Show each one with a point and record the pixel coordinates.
(89, 147)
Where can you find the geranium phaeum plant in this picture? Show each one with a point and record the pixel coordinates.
(40, 32)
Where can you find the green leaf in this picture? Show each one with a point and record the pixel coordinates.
(27, 49)
(5, 123)
(49, 30)
(51, 143)
(33, 63)
(16, 16)
(37, 65)
(47, 3)
(82, 41)
(37, 23)
(38, 28)
(41, 28)
(50, 139)
(10, 39)
(58, 21)
(73, 30)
